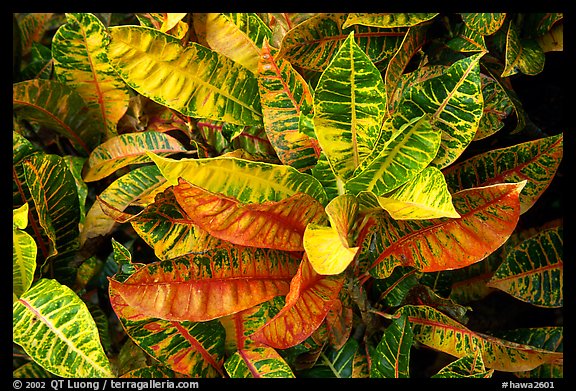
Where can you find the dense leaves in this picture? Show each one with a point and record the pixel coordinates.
(259, 195)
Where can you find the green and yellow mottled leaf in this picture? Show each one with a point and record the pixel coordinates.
(484, 23)
(201, 287)
(388, 20)
(391, 358)
(193, 80)
(257, 362)
(310, 298)
(466, 40)
(324, 174)
(123, 192)
(171, 20)
(59, 108)
(80, 61)
(247, 181)
(533, 271)
(238, 36)
(522, 55)
(488, 217)
(329, 249)
(408, 152)
(127, 149)
(274, 224)
(285, 98)
(469, 366)
(335, 363)
(31, 370)
(189, 348)
(56, 329)
(150, 372)
(436, 330)
(349, 105)
(23, 253)
(534, 161)
(497, 107)
(425, 196)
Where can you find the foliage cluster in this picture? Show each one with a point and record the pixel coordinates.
(284, 195)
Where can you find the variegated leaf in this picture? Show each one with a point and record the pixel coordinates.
(80, 61)
(534, 161)
(469, 366)
(425, 196)
(391, 358)
(32, 28)
(396, 19)
(285, 97)
(466, 40)
(522, 55)
(190, 348)
(435, 330)
(278, 225)
(408, 152)
(310, 298)
(484, 23)
(31, 370)
(202, 287)
(56, 329)
(349, 104)
(489, 216)
(335, 363)
(23, 253)
(497, 107)
(247, 181)
(127, 149)
(193, 80)
(533, 271)
(257, 362)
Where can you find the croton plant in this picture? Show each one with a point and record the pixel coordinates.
(283, 195)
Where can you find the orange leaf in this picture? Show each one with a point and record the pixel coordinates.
(310, 298)
(201, 287)
(279, 225)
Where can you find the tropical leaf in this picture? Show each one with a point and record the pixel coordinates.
(150, 372)
(202, 287)
(31, 370)
(324, 174)
(310, 298)
(80, 61)
(248, 182)
(190, 348)
(33, 27)
(56, 329)
(23, 253)
(425, 196)
(257, 362)
(127, 149)
(193, 80)
(239, 36)
(467, 40)
(497, 107)
(436, 330)
(391, 358)
(522, 55)
(349, 104)
(407, 153)
(335, 363)
(123, 192)
(534, 161)
(455, 102)
(279, 225)
(40, 65)
(469, 366)
(312, 43)
(388, 20)
(489, 216)
(484, 23)
(533, 271)
(339, 322)
(285, 96)
(59, 108)
(329, 249)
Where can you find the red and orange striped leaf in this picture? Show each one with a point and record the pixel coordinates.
(488, 217)
(195, 349)
(535, 161)
(436, 330)
(279, 225)
(285, 95)
(202, 287)
(310, 298)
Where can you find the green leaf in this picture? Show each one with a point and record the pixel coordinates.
(484, 23)
(425, 196)
(335, 363)
(257, 362)
(522, 55)
(56, 329)
(409, 151)
(466, 40)
(31, 370)
(193, 80)
(396, 19)
(80, 61)
(247, 181)
(533, 271)
(391, 358)
(60, 109)
(497, 107)
(469, 366)
(349, 104)
(23, 253)
(127, 149)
